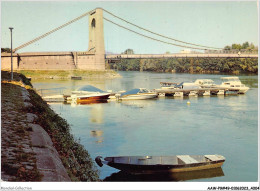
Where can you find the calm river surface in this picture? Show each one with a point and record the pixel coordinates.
(225, 125)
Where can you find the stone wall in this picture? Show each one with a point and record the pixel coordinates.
(52, 61)
(6, 63)
(86, 61)
(48, 62)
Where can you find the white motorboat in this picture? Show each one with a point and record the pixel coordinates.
(205, 83)
(233, 83)
(169, 85)
(199, 83)
(138, 93)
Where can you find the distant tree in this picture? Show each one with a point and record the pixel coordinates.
(227, 48)
(245, 45)
(8, 50)
(252, 46)
(129, 51)
(167, 52)
(236, 46)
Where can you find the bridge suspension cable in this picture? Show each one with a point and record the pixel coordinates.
(52, 31)
(208, 47)
(152, 37)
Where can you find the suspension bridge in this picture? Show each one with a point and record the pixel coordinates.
(94, 58)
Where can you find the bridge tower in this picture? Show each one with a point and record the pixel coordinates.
(96, 38)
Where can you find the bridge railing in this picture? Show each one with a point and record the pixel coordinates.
(179, 55)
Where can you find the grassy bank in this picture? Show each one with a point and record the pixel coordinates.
(75, 158)
(66, 74)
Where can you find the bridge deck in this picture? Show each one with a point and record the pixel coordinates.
(179, 55)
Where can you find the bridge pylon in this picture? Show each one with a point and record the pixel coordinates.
(96, 38)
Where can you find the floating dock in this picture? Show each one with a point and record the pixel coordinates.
(195, 92)
(160, 92)
(56, 98)
(76, 77)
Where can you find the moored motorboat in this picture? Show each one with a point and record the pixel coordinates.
(138, 93)
(199, 83)
(205, 83)
(233, 83)
(88, 93)
(153, 164)
(90, 98)
(169, 85)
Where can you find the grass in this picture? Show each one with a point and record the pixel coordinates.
(6, 75)
(66, 74)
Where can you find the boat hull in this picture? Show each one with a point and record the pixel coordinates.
(139, 96)
(88, 99)
(239, 90)
(164, 168)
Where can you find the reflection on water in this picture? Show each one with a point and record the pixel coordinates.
(138, 103)
(96, 113)
(74, 103)
(165, 177)
(98, 134)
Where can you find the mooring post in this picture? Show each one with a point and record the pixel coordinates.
(11, 28)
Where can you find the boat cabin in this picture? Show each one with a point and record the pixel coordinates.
(232, 82)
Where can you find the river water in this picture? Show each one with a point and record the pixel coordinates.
(225, 125)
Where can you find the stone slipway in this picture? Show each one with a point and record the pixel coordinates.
(34, 152)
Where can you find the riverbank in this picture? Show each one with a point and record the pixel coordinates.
(67, 74)
(36, 142)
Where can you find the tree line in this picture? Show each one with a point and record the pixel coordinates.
(193, 65)
(244, 46)
(189, 65)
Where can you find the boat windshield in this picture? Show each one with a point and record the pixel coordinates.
(143, 91)
(90, 88)
(133, 91)
(180, 85)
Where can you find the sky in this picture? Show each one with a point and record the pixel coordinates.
(208, 23)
